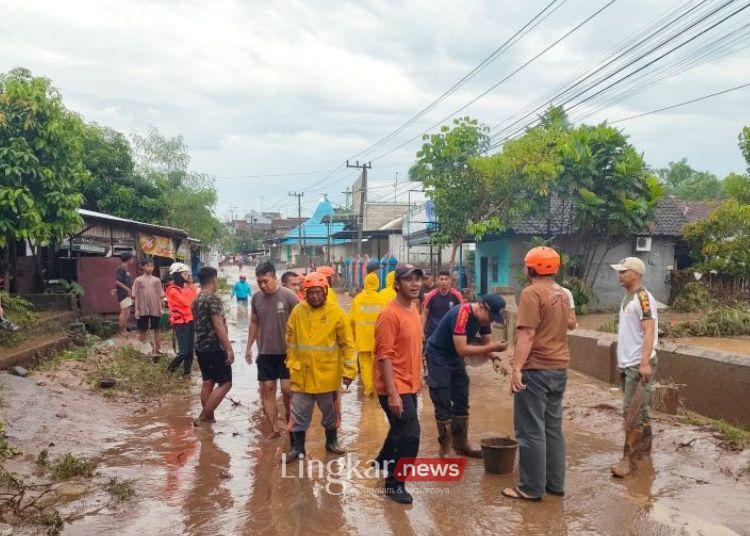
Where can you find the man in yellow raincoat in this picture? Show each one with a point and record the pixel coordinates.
(320, 354)
(366, 307)
(389, 292)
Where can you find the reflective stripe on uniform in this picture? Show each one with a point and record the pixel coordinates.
(313, 347)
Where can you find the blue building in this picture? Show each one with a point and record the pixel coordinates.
(311, 239)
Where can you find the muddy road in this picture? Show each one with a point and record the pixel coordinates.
(226, 479)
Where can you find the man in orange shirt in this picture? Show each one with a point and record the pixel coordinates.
(540, 374)
(398, 375)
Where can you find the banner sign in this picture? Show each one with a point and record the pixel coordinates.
(159, 246)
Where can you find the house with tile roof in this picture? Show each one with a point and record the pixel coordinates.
(499, 257)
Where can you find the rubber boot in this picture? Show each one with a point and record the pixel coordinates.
(397, 491)
(445, 437)
(297, 450)
(460, 429)
(332, 442)
(629, 455)
(647, 440)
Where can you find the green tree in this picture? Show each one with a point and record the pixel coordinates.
(721, 242)
(114, 186)
(702, 186)
(478, 194)
(189, 197)
(737, 187)
(243, 242)
(41, 164)
(607, 187)
(684, 182)
(675, 173)
(744, 144)
(442, 165)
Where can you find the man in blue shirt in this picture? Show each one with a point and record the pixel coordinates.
(453, 340)
(242, 291)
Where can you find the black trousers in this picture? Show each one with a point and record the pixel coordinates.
(185, 335)
(402, 440)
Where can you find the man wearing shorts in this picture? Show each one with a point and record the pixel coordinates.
(271, 308)
(124, 291)
(212, 345)
(149, 295)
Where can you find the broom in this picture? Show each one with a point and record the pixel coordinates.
(631, 417)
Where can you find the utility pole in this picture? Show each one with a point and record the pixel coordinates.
(299, 196)
(363, 199)
(347, 193)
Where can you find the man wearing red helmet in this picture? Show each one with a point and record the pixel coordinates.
(539, 377)
(320, 355)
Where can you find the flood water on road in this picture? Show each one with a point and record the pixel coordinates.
(227, 479)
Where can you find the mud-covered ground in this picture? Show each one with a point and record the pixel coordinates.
(226, 478)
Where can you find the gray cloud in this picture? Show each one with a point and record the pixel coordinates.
(299, 86)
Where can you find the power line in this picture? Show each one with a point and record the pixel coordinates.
(277, 174)
(679, 104)
(619, 52)
(641, 68)
(496, 85)
(504, 47)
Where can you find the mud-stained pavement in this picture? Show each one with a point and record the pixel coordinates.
(227, 479)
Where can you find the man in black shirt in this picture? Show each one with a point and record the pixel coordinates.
(438, 302)
(124, 291)
(451, 342)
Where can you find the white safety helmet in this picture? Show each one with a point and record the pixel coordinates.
(178, 267)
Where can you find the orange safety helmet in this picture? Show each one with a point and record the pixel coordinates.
(315, 279)
(327, 271)
(544, 260)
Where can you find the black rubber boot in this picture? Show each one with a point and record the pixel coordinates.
(397, 492)
(460, 429)
(297, 450)
(332, 442)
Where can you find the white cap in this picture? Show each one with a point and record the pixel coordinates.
(630, 263)
(178, 267)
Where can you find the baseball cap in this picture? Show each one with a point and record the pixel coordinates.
(405, 270)
(496, 305)
(630, 263)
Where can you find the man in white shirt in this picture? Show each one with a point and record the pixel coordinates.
(637, 336)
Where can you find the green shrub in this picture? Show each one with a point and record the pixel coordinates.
(610, 325)
(20, 312)
(136, 374)
(97, 326)
(74, 354)
(693, 297)
(68, 466)
(583, 294)
(717, 322)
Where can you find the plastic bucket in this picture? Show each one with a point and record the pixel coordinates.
(499, 454)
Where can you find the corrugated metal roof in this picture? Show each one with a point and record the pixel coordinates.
(101, 216)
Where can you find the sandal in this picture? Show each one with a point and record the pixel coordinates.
(515, 493)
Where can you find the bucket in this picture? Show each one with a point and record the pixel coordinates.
(499, 454)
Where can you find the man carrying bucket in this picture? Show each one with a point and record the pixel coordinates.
(539, 377)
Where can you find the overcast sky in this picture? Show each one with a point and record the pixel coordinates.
(297, 87)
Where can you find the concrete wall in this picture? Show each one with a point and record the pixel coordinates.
(713, 383)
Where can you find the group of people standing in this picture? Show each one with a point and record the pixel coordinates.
(308, 347)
